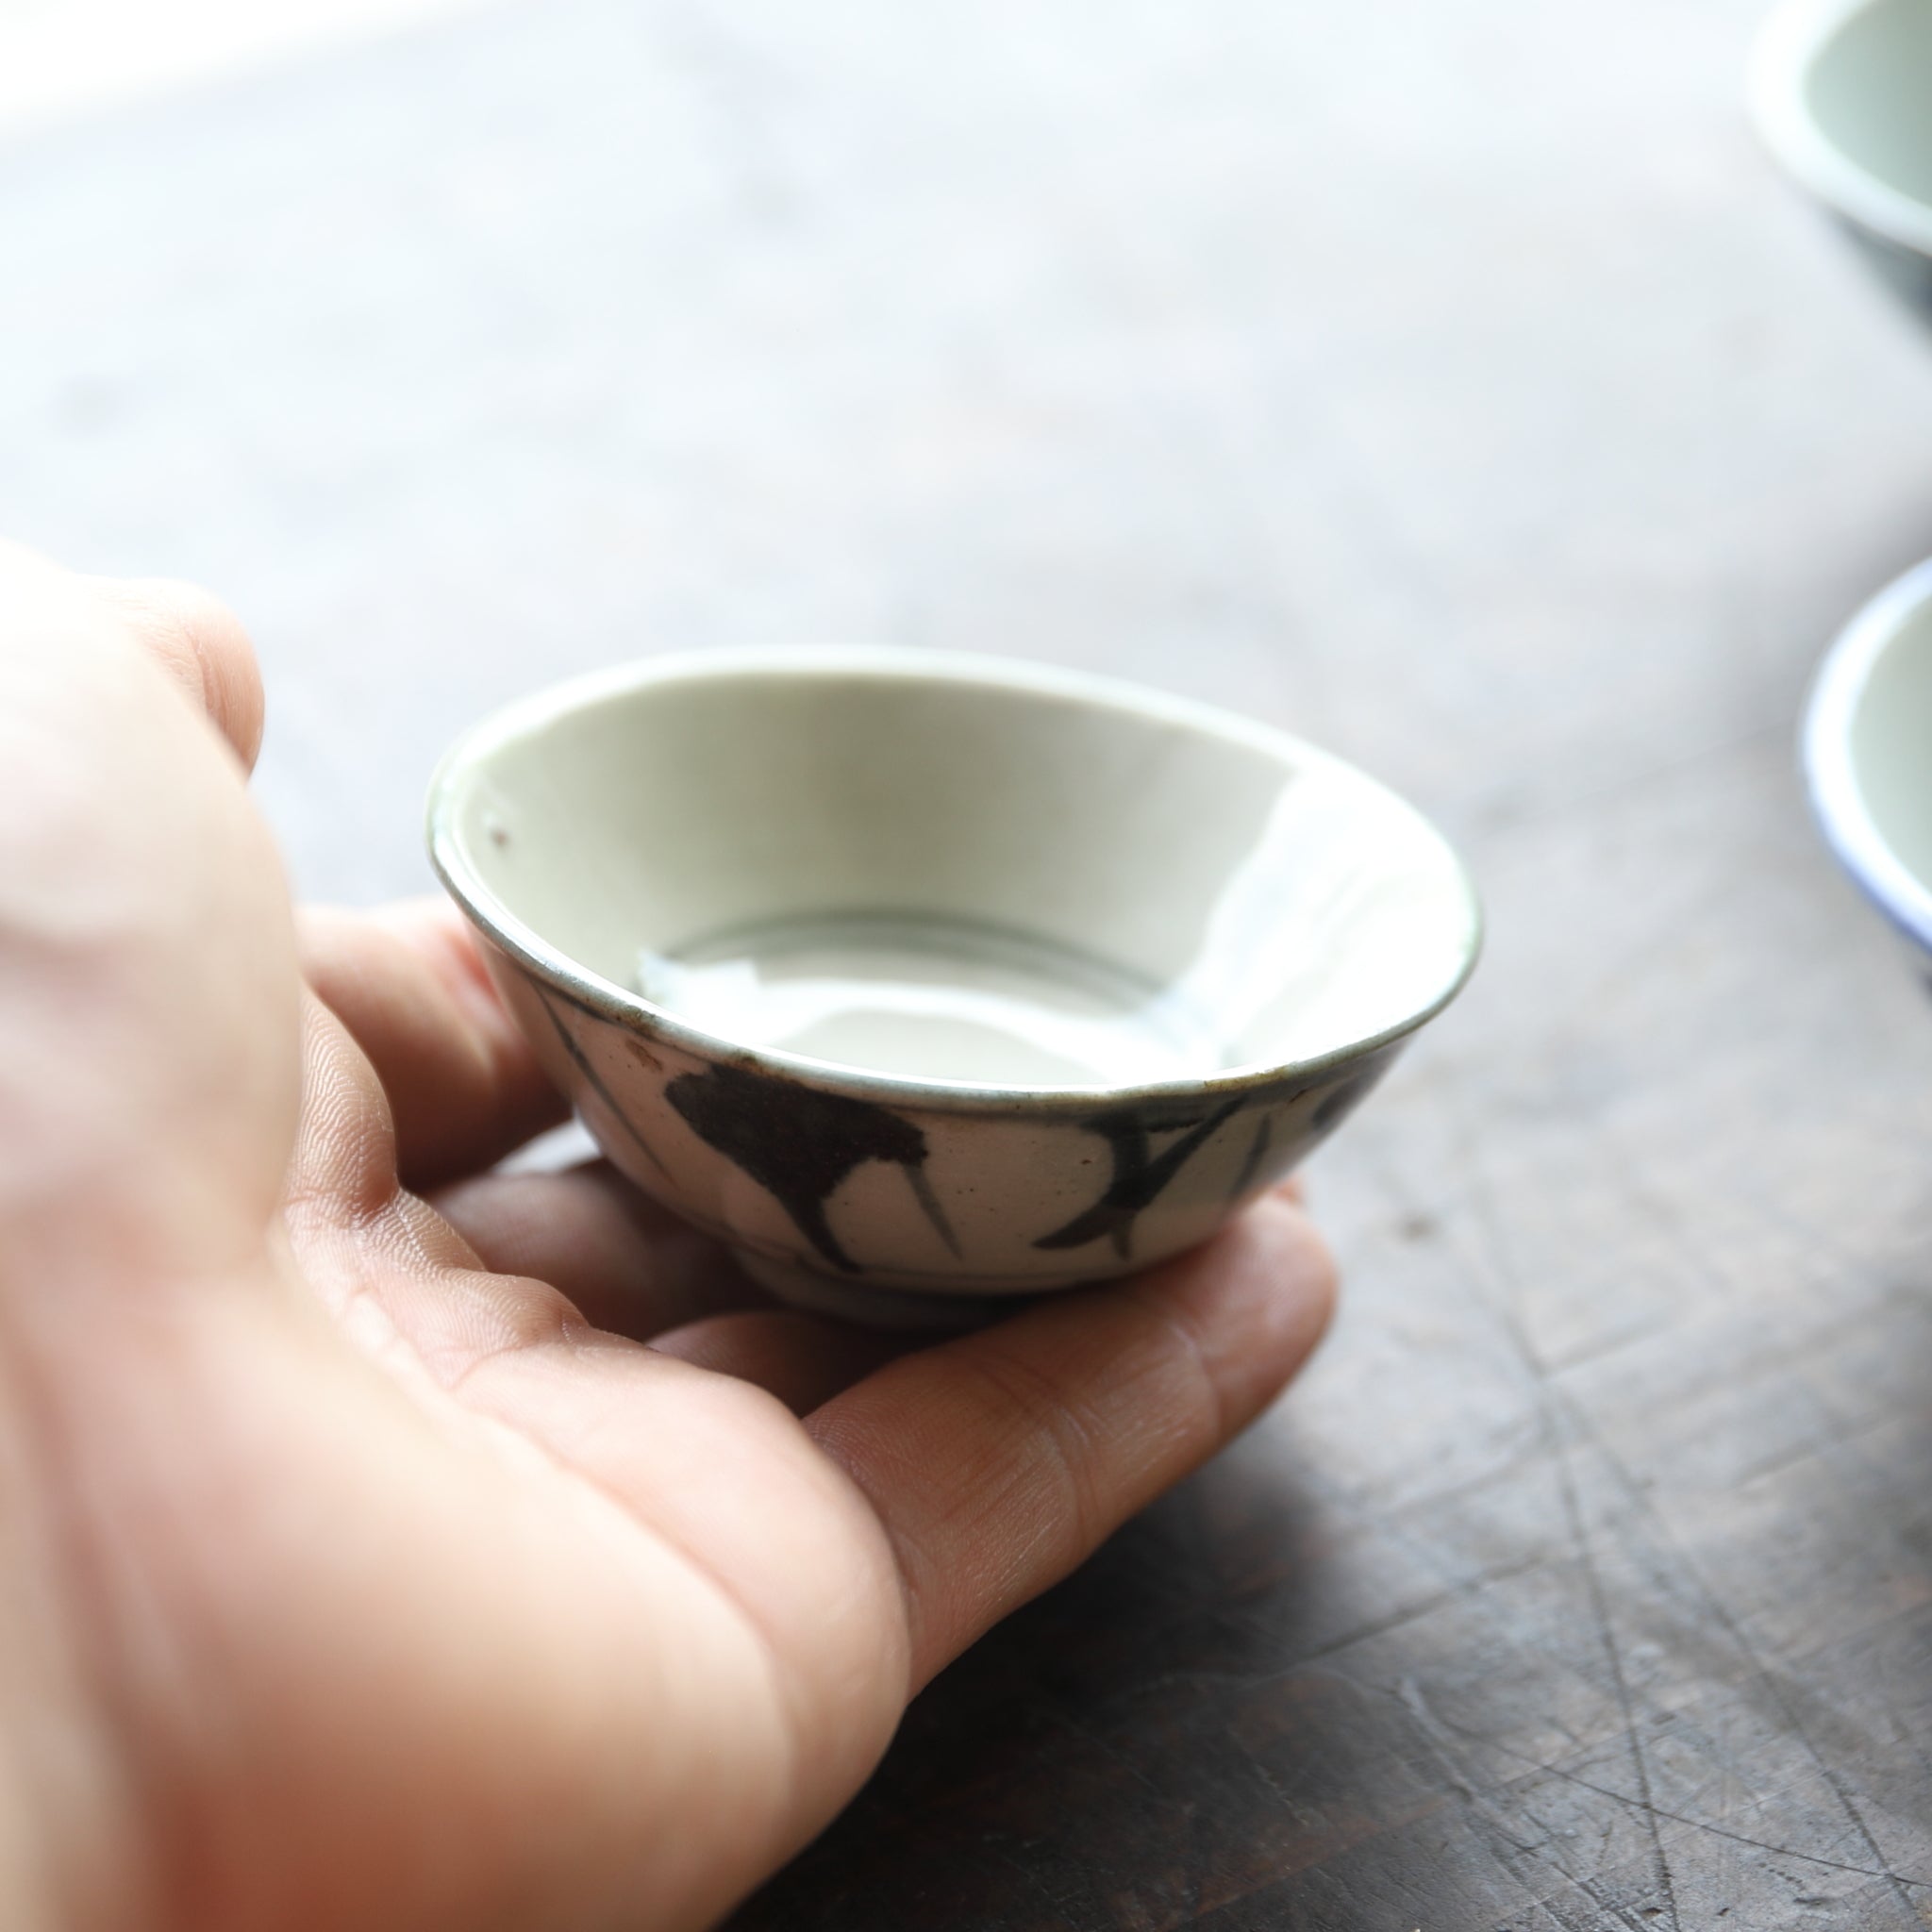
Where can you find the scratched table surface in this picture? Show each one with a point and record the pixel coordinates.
(1453, 384)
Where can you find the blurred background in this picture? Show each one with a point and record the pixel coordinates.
(463, 345)
(1455, 384)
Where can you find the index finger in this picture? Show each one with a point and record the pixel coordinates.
(410, 987)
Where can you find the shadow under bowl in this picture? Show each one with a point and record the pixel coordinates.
(1841, 93)
(925, 979)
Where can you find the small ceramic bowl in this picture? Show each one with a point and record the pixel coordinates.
(1840, 91)
(1867, 749)
(924, 980)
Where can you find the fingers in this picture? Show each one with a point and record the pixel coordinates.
(191, 633)
(408, 984)
(380, 1257)
(801, 1359)
(998, 1461)
(631, 1266)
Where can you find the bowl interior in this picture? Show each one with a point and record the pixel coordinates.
(954, 872)
(1867, 89)
(1891, 744)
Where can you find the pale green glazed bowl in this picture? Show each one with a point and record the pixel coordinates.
(927, 980)
(1841, 91)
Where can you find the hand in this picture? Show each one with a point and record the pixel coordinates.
(495, 1559)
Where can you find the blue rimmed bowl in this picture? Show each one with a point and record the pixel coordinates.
(1867, 749)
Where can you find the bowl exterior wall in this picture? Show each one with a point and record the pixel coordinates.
(922, 1199)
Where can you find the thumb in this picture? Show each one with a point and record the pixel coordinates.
(148, 1029)
(190, 633)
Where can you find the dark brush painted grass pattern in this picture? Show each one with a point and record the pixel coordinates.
(799, 1144)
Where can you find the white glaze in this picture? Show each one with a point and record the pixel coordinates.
(933, 999)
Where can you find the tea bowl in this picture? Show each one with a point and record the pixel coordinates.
(1867, 753)
(1839, 90)
(926, 981)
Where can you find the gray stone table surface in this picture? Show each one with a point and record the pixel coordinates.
(1453, 384)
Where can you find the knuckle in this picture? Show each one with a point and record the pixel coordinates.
(201, 641)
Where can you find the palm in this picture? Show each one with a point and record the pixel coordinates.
(375, 1586)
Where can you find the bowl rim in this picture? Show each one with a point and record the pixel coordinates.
(1786, 50)
(1830, 766)
(591, 991)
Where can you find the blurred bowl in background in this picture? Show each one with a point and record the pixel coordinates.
(1841, 91)
(1868, 753)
